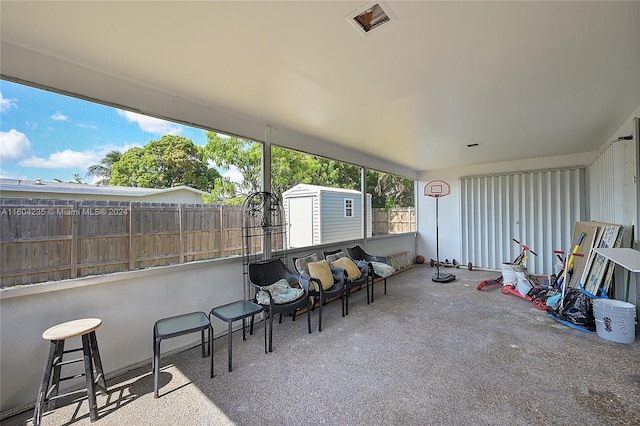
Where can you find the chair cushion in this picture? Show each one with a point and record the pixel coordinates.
(382, 269)
(303, 262)
(333, 257)
(353, 272)
(321, 271)
(282, 293)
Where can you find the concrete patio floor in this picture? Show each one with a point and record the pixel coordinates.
(425, 353)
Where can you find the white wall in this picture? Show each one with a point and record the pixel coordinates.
(34, 67)
(619, 191)
(449, 215)
(128, 303)
(626, 205)
(386, 245)
(449, 206)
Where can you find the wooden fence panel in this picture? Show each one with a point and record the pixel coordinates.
(393, 221)
(201, 232)
(232, 231)
(48, 240)
(157, 234)
(30, 253)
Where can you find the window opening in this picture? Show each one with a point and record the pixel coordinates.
(348, 207)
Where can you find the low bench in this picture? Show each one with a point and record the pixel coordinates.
(400, 261)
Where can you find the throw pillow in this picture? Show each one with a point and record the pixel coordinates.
(282, 293)
(353, 272)
(382, 269)
(333, 257)
(303, 262)
(321, 271)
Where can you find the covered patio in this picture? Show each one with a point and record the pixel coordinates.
(426, 353)
(447, 90)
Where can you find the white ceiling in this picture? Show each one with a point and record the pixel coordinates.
(522, 79)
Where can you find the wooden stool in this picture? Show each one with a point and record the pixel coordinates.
(91, 356)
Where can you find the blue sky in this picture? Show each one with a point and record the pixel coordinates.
(50, 136)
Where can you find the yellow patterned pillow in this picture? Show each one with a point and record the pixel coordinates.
(321, 271)
(353, 272)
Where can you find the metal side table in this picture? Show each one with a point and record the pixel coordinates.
(240, 310)
(177, 326)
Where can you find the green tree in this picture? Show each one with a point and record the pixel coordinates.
(291, 167)
(76, 178)
(238, 154)
(389, 191)
(337, 174)
(288, 168)
(103, 169)
(165, 163)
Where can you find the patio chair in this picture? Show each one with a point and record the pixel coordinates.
(352, 278)
(378, 266)
(322, 285)
(273, 281)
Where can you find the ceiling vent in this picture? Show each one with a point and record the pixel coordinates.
(370, 17)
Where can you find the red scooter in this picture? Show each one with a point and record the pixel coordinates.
(522, 257)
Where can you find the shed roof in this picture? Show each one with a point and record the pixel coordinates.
(317, 188)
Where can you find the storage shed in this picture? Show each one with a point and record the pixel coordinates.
(321, 215)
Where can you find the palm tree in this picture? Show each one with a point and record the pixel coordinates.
(103, 170)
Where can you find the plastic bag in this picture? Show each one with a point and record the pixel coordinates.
(578, 309)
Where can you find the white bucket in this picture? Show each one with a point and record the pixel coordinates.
(524, 286)
(509, 273)
(615, 320)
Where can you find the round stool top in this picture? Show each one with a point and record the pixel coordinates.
(71, 329)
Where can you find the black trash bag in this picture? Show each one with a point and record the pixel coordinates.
(578, 309)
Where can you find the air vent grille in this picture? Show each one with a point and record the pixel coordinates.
(370, 17)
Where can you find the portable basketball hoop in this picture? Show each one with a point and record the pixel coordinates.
(438, 189)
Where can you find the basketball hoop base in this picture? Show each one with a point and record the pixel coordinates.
(443, 277)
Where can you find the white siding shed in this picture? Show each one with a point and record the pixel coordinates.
(322, 215)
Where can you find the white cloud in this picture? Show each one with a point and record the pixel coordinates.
(74, 159)
(58, 116)
(87, 126)
(7, 104)
(14, 145)
(66, 159)
(233, 174)
(151, 124)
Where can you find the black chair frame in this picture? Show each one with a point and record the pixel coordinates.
(349, 283)
(358, 253)
(262, 275)
(324, 295)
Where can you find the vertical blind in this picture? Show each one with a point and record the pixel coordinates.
(607, 193)
(537, 208)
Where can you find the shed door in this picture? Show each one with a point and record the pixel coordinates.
(300, 222)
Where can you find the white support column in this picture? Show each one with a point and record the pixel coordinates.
(266, 160)
(365, 205)
(266, 187)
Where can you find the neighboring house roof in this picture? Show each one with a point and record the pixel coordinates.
(15, 185)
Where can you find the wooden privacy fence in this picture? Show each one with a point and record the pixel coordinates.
(393, 221)
(47, 240)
